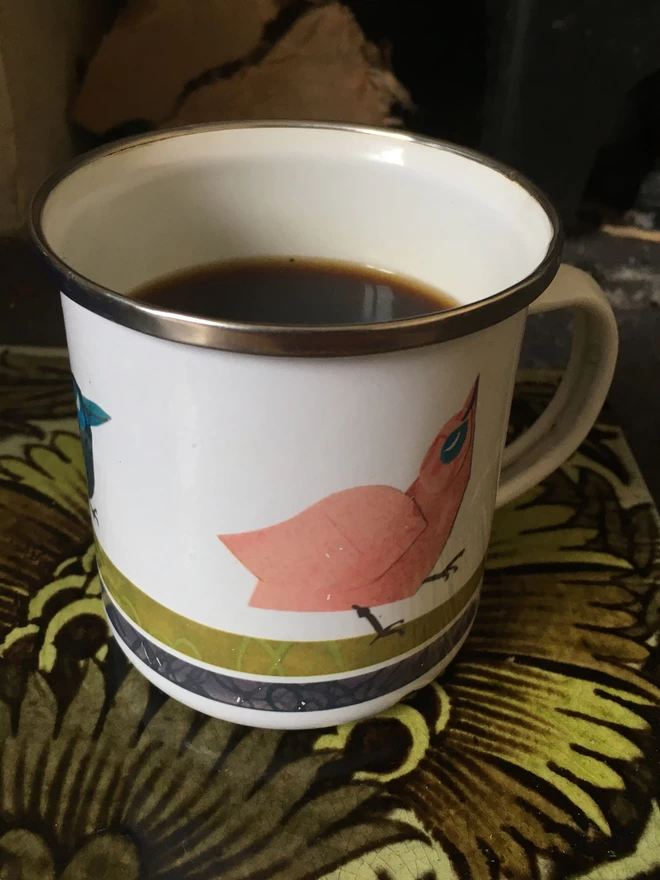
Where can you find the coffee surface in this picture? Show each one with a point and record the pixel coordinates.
(293, 291)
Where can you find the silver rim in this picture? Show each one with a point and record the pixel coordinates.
(300, 341)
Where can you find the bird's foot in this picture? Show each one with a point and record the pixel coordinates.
(380, 630)
(450, 568)
(95, 515)
(391, 629)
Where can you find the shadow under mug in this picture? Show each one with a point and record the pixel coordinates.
(292, 522)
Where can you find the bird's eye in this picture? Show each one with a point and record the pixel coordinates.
(453, 444)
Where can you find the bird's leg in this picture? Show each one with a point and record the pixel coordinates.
(380, 630)
(450, 568)
(95, 514)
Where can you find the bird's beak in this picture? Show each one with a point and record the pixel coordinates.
(471, 401)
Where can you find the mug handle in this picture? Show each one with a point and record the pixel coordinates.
(571, 414)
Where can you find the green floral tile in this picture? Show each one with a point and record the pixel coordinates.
(535, 757)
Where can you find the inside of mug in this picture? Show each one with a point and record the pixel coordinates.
(183, 200)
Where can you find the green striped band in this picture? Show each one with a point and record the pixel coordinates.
(259, 656)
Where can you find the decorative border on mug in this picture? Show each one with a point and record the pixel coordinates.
(285, 696)
(258, 656)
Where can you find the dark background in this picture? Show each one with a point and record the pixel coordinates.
(568, 91)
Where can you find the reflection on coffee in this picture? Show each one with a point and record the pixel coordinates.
(293, 291)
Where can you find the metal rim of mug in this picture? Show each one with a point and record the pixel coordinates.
(299, 341)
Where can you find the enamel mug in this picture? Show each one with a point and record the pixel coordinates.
(291, 522)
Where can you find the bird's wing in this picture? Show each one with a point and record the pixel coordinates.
(93, 413)
(348, 538)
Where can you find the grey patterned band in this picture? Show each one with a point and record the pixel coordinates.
(274, 696)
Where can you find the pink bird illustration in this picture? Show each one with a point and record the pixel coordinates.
(366, 546)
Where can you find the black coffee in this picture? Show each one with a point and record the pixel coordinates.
(293, 291)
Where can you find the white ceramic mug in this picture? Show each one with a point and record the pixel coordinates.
(292, 522)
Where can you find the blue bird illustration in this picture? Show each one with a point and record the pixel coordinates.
(90, 415)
